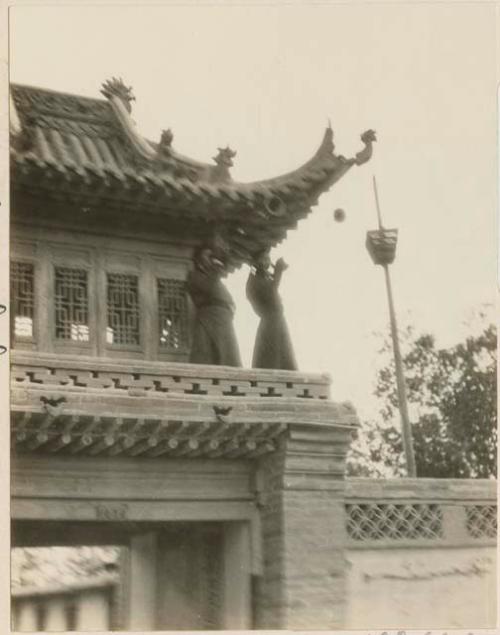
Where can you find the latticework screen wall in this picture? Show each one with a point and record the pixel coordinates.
(372, 522)
(481, 520)
(389, 521)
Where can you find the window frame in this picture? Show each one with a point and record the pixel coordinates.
(57, 256)
(20, 339)
(174, 269)
(164, 350)
(98, 261)
(114, 262)
(63, 341)
(127, 345)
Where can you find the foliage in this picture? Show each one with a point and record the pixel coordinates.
(452, 401)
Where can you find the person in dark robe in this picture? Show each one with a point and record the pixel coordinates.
(273, 346)
(214, 338)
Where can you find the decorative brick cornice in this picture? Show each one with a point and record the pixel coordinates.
(93, 407)
(67, 372)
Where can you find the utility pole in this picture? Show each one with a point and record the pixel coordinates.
(381, 244)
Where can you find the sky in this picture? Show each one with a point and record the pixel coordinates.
(266, 80)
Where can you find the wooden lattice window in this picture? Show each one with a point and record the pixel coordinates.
(22, 282)
(123, 309)
(71, 304)
(172, 314)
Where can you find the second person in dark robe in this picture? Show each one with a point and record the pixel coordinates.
(273, 346)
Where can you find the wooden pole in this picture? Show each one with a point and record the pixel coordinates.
(377, 204)
(400, 383)
(400, 380)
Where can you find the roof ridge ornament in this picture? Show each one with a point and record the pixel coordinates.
(368, 137)
(225, 156)
(115, 87)
(224, 161)
(165, 145)
(167, 160)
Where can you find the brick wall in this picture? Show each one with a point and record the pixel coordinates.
(324, 536)
(302, 515)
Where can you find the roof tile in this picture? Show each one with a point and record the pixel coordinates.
(82, 138)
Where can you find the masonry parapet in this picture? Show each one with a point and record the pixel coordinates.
(423, 512)
(83, 405)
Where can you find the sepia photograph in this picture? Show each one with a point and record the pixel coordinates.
(252, 316)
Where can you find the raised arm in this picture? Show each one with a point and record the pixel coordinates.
(279, 268)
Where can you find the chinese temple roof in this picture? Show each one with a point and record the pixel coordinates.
(91, 151)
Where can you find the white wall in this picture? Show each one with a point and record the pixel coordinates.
(421, 588)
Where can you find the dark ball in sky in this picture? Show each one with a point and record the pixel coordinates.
(339, 215)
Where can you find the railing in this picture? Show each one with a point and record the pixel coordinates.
(133, 377)
(420, 512)
(107, 407)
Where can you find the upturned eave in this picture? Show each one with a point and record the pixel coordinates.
(91, 151)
